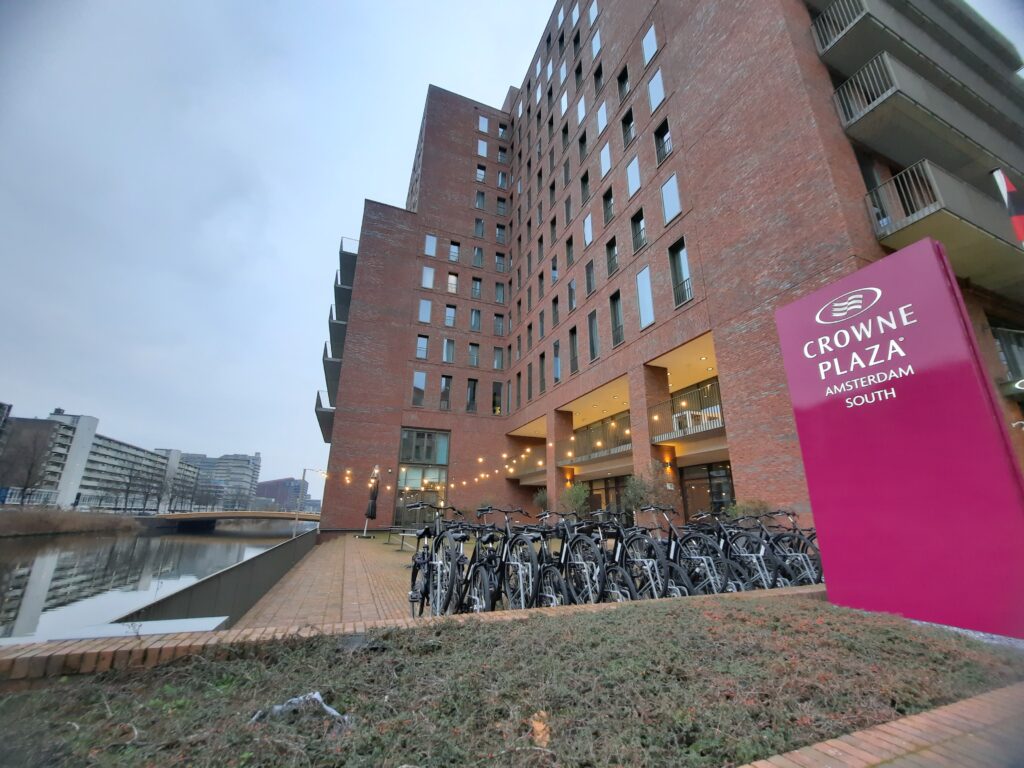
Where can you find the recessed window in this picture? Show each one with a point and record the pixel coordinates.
(556, 363)
(575, 15)
(529, 381)
(474, 320)
(540, 286)
(606, 159)
(540, 324)
(670, 198)
(502, 206)
(608, 204)
(554, 270)
(562, 68)
(445, 403)
(591, 280)
(583, 145)
(639, 230)
(588, 230)
(585, 187)
(481, 200)
(541, 373)
(454, 249)
(499, 325)
(499, 358)
(502, 179)
(419, 387)
(499, 233)
(644, 298)
(679, 265)
(650, 45)
(449, 316)
(427, 280)
(481, 147)
(662, 141)
(623, 82)
(581, 110)
(499, 293)
(496, 398)
(430, 245)
(453, 282)
(478, 228)
(569, 252)
(578, 72)
(502, 155)
(529, 336)
(499, 262)
(633, 176)
(598, 78)
(471, 387)
(655, 91)
(474, 356)
(422, 343)
(448, 351)
(611, 256)
(628, 128)
(572, 294)
(592, 13)
(602, 117)
(482, 124)
(424, 313)
(554, 312)
(481, 173)
(615, 311)
(478, 256)
(574, 350)
(595, 342)
(476, 290)
(595, 44)
(502, 131)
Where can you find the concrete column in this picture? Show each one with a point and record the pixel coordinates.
(559, 428)
(648, 385)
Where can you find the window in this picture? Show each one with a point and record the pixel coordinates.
(566, 173)
(572, 294)
(541, 373)
(478, 228)
(583, 146)
(499, 262)
(529, 298)
(420, 447)
(502, 155)
(554, 270)
(448, 352)
(499, 233)
(598, 78)
(453, 283)
(478, 256)
(499, 358)
(595, 44)
(592, 13)
(575, 15)
(496, 398)
(662, 141)
(427, 281)
(655, 91)
(633, 176)
(588, 230)
(590, 280)
(581, 110)
(476, 288)
(529, 381)
(612, 256)
(595, 343)
(481, 200)
(499, 325)
(670, 199)
(481, 147)
(574, 351)
(474, 356)
(499, 293)
(502, 131)
(554, 311)
(421, 347)
(650, 45)
(471, 386)
(615, 310)
(482, 124)
(449, 316)
(606, 159)
(502, 206)
(569, 255)
(623, 81)
(562, 66)
(639, 230)
(563, 105)
(481, 173)
(679, 265)
(540, 286)
(453, 251)
(424, 314)
(430, 245)
(584, 187)
(578, 73)
(540, 325)
(608, 205)
(556, 363)
(445, 404)
(519, 347)
(503, 179)
(519, 390)
(644, 299)
(628, 128)
(419, 386)
(474, 319)
(529, 336)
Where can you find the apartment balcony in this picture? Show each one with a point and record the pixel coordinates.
(891, 109)
(692, 412)
(1010, 343)
(324, 415)
(332, 372)
(597, 441)
(927, 201)
(848, 33)
(338, 329)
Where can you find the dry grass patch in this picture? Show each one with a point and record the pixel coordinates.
(31, 521)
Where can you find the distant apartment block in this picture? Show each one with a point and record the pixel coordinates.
(228, 481)
(289, 493)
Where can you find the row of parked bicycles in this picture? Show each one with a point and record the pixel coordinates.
(461, 566)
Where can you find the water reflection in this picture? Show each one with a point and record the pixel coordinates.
(54, 584)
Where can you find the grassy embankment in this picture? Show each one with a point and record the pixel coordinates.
(33, 521)
(689, 683)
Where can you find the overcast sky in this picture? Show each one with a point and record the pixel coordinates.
(174, 181)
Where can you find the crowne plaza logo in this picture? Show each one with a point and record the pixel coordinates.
(849, 304)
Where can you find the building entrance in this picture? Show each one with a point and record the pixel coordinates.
(706, 488)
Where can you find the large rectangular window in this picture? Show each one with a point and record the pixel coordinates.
(427, 280)
(572, 294)
(639, 230)
(650, 45)
(615, 311)
(445, 403)
(420, 447)
(680, 266)
(655, 91)
(662, 141)
(474, 356)
(448, 351)
(478, 256)
(471, 387)
(476, 288)
(574, 350)
(454, 250)
(591, 280)
(554, 312)
(449, 316)
(542, 373)
(481, 147)
(419, 387)
(556, 362)
(430, 245)
(422, 343)
(633, 176)
(670, 199)
(496, 398)
(499, 325)
(588, 230)
(499, 293)
(612, 256)
(595, 342)
(499, 358)
(602, 117)
(424, 313)
(644, 297)
(474, 319)
(453, 282)
(606, 159)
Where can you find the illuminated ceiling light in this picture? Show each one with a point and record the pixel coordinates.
(710, 368)
(550, 444)
(480, 459)
(540, 463)
(683, 403)
(703, 358)
(612, 425)
(527, 450)
(615, 397)
(627, 430)
(598, 443)
(569, 454)
(388, 487)
(504, 455)
(654, 417)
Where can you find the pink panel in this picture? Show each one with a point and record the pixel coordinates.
(915, 491)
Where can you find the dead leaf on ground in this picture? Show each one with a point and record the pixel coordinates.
(540, 733)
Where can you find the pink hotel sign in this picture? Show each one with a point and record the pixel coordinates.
(915, 489)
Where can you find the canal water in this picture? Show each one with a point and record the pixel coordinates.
(50, 585)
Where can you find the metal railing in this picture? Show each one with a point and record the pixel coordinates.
(691, 411)
(833, 22)
(682, 291)
(1010, 345)
(639, 237)
(604, 438)
(865, 88)
(663, 147)
(907, 197)
(618, 334)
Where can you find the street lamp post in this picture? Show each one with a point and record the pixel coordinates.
(299, 499)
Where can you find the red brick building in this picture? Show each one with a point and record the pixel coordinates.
(582, 283)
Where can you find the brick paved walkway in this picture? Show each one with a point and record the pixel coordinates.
(342, 580)
(981, 732)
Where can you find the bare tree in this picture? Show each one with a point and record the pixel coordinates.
(24, 458)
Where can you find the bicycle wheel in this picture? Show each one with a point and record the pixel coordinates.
(552, 591)
(675, 581)
(519, 576)
(704, 563)
(445, 575)
(419, 588)
(584, 570)
(760, 559)
(739, 576)
(618, 585)
(479, 591)
(801, 558)
(644, 566)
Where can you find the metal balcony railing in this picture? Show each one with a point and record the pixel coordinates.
(688, 412)
(663, 147)
(604, 438)
(869, 85)
(639, 237)
(1010, 345)
(834, 21)
(682, 291)
(905, 198)
(618, 334)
